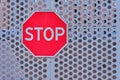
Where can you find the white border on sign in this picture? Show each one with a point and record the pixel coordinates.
(58, 50)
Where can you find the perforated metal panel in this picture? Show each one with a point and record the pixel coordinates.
(92, 52)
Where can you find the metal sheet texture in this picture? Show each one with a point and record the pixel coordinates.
(92, 52)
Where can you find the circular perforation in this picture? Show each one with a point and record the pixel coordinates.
(89, 55)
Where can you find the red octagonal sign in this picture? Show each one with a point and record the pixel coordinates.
(44, 34)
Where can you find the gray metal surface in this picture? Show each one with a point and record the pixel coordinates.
(92, 52)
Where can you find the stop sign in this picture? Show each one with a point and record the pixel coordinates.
(44, 34)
